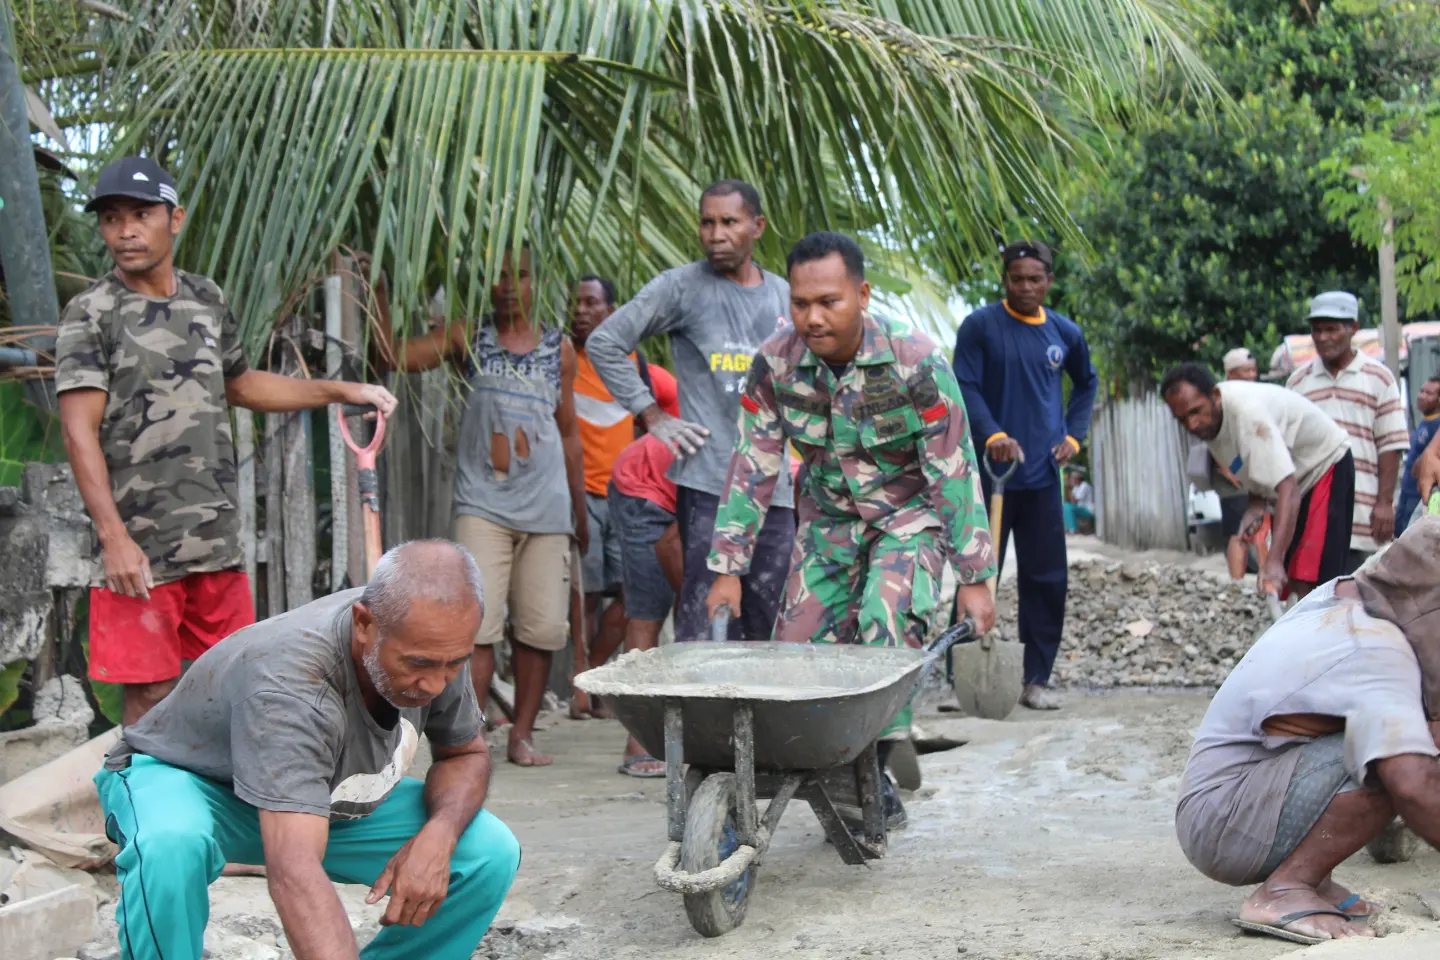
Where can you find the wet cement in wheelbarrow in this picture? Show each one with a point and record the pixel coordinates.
(785, 672)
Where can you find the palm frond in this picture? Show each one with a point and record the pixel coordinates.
(441, 133)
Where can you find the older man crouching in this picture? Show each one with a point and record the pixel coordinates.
(287, 744)
(1317, 740)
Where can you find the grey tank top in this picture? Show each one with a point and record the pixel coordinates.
(510, 394)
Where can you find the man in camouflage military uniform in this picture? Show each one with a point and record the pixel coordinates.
(891, 493)
(147, 366)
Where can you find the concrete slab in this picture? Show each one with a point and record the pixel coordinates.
(52, 925)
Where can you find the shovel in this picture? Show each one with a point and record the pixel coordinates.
(988, 674)
(366, 479)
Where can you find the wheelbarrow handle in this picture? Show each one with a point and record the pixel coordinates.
(962, 632)
(720, 626)
(1000, 479)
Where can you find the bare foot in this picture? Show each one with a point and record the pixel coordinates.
(642, 765)
(1356, 909)
(599, 710)
(242, 870)
(1037, 697)
(522, 753)
(580, 706)
(1268, 904)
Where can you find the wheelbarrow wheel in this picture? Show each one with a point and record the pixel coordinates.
(711, 835)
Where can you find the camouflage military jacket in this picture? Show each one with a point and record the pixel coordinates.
(887, 443)
(166, 428)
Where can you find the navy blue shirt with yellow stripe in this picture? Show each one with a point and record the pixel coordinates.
(1009, 369)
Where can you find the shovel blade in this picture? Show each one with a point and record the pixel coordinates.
(989, 677)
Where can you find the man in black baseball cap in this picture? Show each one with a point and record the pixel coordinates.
(138, 178)
(148, 363)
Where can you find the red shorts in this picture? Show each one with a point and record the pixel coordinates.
(133, 640)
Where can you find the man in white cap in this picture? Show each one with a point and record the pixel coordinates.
(1240, 365)
(1360, 394)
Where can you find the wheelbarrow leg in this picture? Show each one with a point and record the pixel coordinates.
(675, 793)
(745, 810)
(872, 806)
(847, 846)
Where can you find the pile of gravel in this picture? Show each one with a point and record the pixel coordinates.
(1149, 625)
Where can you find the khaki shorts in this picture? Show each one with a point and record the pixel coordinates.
(527, 578)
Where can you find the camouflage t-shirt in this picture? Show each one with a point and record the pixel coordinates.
(166, 429)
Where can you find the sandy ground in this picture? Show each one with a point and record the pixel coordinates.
(1044, 838)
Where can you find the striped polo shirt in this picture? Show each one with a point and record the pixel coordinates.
(1365, 401)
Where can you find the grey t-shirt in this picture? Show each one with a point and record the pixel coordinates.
(274, 711)
(1327, 657)
(715, 327)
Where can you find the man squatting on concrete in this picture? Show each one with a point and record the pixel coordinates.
(1320, 736)
(286, 744)
(717, 312)
(890, 494)
(1008, 358)
(148, 363)
(1282, 449)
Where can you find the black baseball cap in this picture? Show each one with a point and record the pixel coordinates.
(1027, 250)
(139, 178)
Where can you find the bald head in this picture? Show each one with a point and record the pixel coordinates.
(428, 572)
(413, 630)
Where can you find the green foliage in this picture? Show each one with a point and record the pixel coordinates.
(26, 435)
(10, 675)
(1212, 231)
(438, 134)
(1400, 163)
(1213, 238)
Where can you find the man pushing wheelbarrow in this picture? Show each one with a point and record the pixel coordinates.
(892, 492)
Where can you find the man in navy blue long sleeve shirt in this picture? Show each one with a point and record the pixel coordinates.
(1008, 358)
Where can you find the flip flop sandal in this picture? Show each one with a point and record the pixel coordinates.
(1344, 907)
(1277, 929)
(628, 767)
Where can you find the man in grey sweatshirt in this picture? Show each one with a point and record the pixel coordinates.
(717, 312)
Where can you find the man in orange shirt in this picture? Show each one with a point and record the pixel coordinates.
(606, 428)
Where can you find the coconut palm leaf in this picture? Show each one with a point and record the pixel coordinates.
(439, 133)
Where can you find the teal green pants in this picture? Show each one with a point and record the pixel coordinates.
(176, 832)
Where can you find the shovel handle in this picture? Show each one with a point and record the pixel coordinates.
(999, 479)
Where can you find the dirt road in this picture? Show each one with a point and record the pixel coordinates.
(1042, 839)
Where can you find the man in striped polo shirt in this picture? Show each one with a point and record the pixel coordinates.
(1361, 395)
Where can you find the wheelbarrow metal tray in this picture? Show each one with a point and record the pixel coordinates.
(815, 706)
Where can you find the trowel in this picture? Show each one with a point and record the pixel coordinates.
(988, 675)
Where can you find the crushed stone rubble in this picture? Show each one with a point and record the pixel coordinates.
(1148, 625)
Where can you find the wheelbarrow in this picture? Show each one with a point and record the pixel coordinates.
(742, 722)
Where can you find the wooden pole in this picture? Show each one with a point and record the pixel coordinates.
(245, 479)
(352, 334)
(339, 456)
(274, 524)
(1390, 332)
(298, 501)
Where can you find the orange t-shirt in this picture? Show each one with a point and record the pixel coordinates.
(606, 428)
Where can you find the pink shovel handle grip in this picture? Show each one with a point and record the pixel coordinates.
(364, 456)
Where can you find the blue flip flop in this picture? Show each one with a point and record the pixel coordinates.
(1344, 907)
(1277, 929)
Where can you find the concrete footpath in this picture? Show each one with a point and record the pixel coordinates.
(1044, 838)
